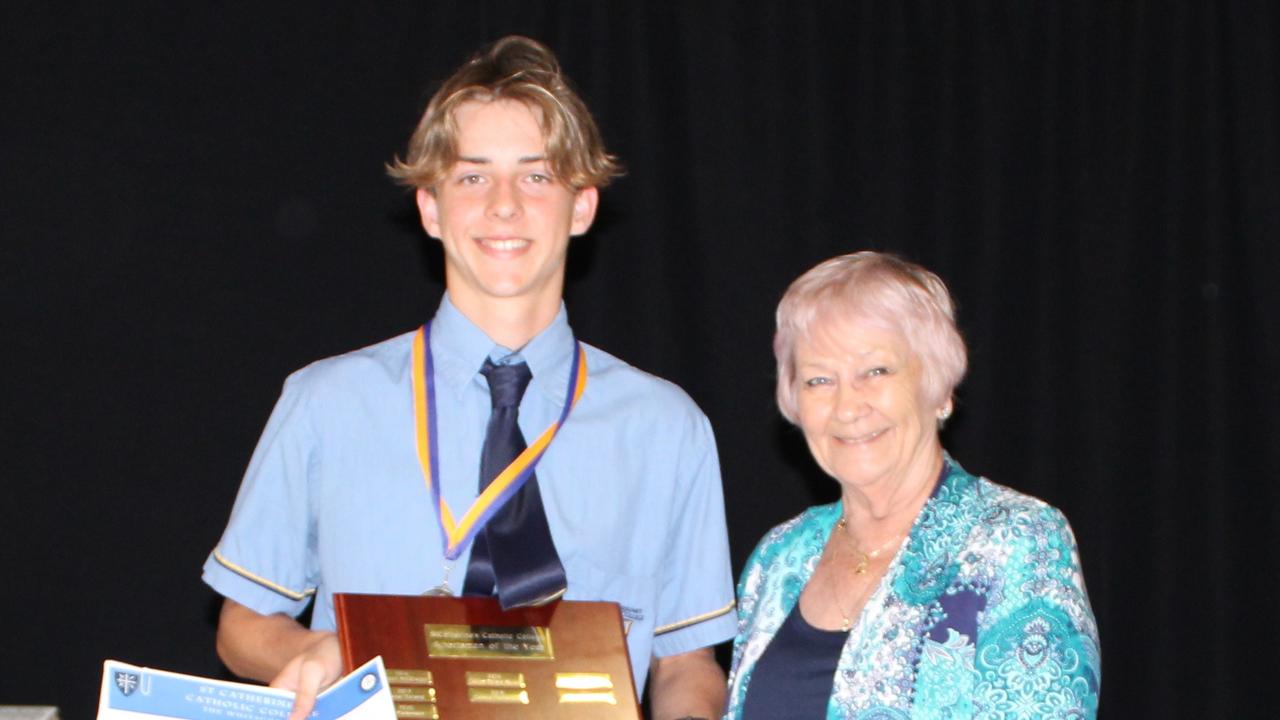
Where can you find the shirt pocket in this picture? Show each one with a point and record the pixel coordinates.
(635, 594)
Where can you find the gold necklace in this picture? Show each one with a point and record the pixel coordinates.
(846, 622)
(859, 568)
(865, 558)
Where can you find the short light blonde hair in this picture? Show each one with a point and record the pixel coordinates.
(520, 69)
(880, 288)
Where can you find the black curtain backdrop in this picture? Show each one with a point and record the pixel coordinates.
(193, 205)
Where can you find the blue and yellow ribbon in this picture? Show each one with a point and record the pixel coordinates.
(457, 534)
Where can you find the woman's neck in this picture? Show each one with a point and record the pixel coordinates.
(875, 516)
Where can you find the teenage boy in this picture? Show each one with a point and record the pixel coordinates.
(365, 474)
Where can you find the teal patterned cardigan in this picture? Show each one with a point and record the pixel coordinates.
(982, 613)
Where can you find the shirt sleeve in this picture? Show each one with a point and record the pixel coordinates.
(695, 601)
(266, 558)
(1040, 646)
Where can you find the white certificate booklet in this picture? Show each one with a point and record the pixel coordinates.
(137, 693)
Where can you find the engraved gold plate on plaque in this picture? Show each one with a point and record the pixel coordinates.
(585, 688)
(399, 676)
(495, 679)
(488, 642)
(498, 696)
(602, 698)
(407, 712)
(584, 681)
(409, 694)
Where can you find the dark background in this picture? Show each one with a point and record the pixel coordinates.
(193, 205)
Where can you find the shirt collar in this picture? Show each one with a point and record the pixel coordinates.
(459, 349)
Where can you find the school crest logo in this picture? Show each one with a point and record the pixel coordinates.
(630, 616)
(127, 682)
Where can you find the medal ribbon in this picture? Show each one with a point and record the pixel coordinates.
(457, 534)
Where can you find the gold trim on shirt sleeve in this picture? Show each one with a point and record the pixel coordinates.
(694, 620)
(291, 594)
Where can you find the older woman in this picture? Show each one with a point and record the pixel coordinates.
(925, 592)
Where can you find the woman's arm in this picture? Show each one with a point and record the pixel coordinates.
(1037, 650)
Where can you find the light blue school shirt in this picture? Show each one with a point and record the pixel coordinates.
(334, 499)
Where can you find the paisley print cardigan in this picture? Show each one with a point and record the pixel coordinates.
(982, 613)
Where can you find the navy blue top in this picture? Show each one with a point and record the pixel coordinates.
(793, 678)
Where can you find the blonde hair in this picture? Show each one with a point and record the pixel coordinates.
(880, 288)
(520, 69)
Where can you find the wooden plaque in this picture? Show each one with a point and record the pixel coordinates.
(449, 657)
